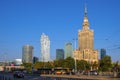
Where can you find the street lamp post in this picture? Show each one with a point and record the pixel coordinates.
(75, 66)
(32, 64)
(75, 39)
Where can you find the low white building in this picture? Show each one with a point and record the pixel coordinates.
(18, 62)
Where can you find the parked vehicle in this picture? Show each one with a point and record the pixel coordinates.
(93, 72)
(118, 74)
(85, 72)
(18, 74)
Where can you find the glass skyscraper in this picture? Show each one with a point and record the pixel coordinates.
(103, 53)
(59, 54)
(27, 54)
(45, 48)
(68, 50)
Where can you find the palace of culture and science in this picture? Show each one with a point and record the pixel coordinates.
(85, 49)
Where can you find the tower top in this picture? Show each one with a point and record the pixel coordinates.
(85, 10)
(85, 22)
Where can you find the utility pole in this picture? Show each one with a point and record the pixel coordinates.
(75, 39)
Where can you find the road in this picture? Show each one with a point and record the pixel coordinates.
(32, 77)
(9, 76)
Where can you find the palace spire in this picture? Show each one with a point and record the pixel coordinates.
(85, 21)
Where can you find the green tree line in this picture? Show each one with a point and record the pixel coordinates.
(102, 65)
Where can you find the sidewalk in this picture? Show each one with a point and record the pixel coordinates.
(80, 77)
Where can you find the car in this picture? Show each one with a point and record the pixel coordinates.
(118, 74)
(93, 72)
(58, 72)
(18, 74)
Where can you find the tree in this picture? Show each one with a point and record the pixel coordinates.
(38, 65)
(59, 63)
(94, 66)
(64, 63)
(106, 63)
(48, 65)
(83, 65)
(28, 66)
(69, 63)
(116, 67)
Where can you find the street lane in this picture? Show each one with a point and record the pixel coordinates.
(9, 76)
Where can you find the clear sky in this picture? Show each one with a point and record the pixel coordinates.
(23, 21)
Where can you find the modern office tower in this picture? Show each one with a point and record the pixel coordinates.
(35, 59)
(103, 53)
(45, 48)
(85, 49)
(27, 54)
(68, 50)
(59, 54)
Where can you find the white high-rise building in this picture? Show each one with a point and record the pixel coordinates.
(45, 48)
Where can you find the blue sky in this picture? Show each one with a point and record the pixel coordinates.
(23, 21)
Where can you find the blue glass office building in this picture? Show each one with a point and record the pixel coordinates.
(103, 53)
(59, 54)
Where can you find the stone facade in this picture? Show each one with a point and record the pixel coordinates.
(9, 68)
(85, 49)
